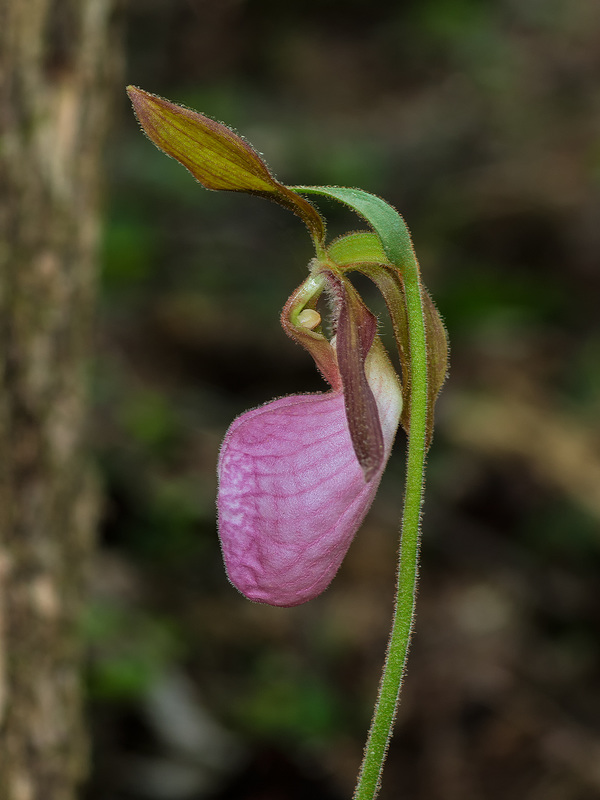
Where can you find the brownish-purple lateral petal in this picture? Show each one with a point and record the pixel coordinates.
(356, 329)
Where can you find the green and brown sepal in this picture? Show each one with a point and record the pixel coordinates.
(216, 156)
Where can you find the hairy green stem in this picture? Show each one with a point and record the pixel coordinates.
(396, 242)
(393, 671)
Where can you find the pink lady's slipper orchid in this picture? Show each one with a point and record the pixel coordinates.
(292, 492)
(298, 475)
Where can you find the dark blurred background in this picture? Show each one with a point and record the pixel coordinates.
(480, 122)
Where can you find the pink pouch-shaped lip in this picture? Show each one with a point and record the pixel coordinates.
(292, 493)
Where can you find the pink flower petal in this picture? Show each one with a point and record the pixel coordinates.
(292, 493)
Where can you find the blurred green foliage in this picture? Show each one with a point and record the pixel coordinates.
(478, 120)
(283, 701)
(129, 650)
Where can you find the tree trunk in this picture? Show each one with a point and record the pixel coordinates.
(56, 63)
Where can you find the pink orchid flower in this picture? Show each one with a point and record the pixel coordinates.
(292, 493)
(298, 475)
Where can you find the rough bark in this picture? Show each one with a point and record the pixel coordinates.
(56, 67)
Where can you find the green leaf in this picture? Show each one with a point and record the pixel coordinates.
(216, 156)
(385, 220)
(353, 248)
